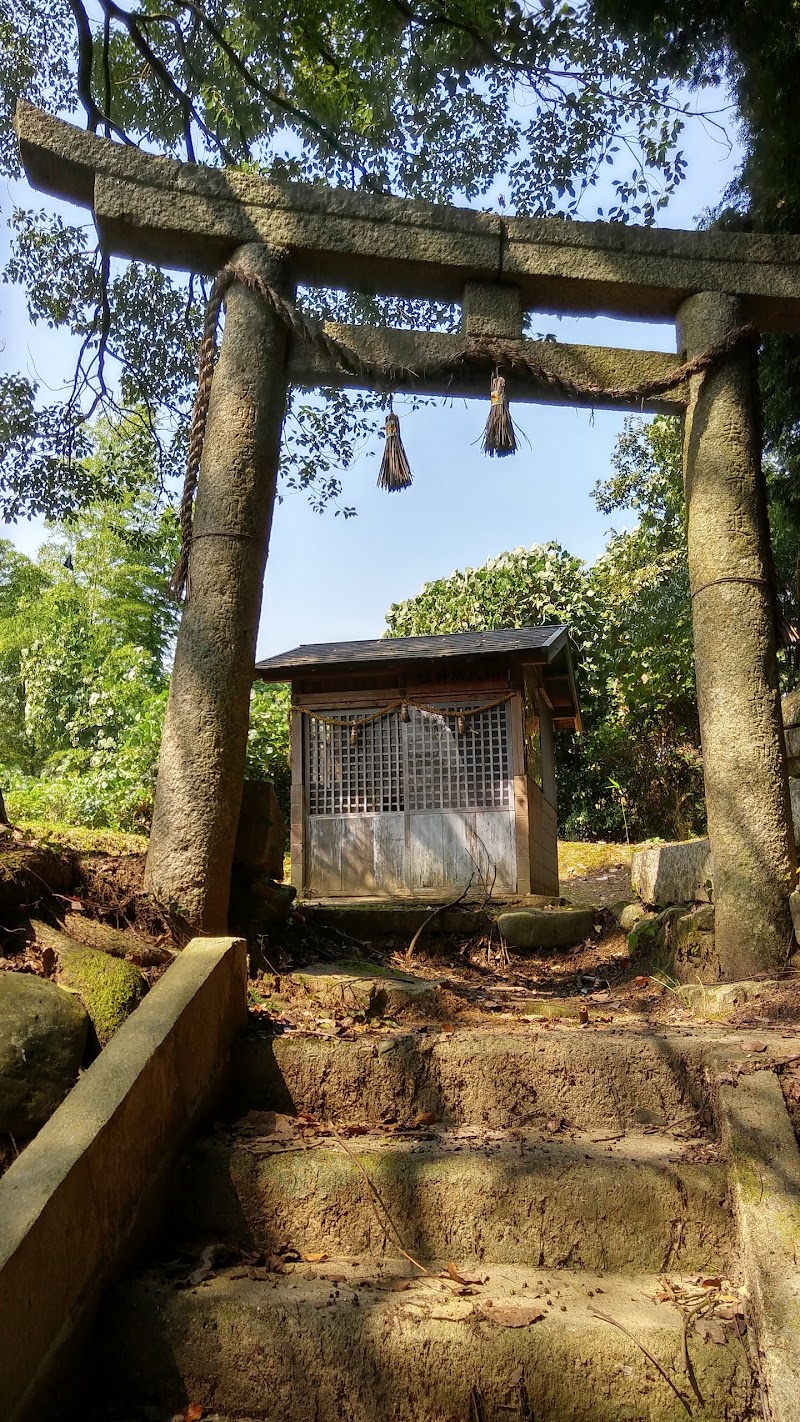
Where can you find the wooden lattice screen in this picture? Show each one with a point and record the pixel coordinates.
(421, 764)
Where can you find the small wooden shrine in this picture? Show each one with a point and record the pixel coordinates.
(422, 765)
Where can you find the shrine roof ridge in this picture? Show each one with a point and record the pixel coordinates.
(538, 644)
(193, 218)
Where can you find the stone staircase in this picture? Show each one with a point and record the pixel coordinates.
(558, 1175)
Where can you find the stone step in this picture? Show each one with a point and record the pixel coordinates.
(327, 1343)
(466, 1195)
(503, 1077)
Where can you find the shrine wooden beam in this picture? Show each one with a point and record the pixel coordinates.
(192, 218)
(422, 351)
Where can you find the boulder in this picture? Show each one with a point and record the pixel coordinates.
(261, 836)
(110, 988)
(42, 1040)
(531, 929)
(678, 873)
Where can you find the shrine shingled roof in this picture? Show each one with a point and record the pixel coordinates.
(540, 644)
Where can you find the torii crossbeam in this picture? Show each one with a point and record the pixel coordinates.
(195, 219)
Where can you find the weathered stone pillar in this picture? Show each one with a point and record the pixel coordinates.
(201, 767)
(734, 644)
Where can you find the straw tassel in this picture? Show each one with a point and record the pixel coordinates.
(395, 471)
(499, 437)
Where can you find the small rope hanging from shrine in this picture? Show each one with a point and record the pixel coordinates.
(500, 355)
(461, 714)
(395, 470)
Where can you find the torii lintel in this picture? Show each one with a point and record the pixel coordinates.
(192, 218)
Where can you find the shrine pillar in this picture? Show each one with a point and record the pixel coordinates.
(201, 766)
(744, 757)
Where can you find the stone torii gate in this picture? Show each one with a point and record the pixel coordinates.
(196, 219)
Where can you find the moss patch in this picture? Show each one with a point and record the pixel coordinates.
(75, 837)
(110, 988)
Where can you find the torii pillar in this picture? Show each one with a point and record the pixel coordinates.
(193, 218)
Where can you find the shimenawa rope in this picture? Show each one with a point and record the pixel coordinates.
(509, 356)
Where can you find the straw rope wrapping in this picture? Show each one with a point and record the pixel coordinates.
(503, 356)
(358, 725)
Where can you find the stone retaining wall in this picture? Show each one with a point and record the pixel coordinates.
(85, 1191)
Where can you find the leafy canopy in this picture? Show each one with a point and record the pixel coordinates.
(520, 105)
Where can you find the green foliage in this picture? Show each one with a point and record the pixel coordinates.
(268, 749)
(637, 767)
(86, 634)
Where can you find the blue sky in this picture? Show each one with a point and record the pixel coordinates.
(330, 578)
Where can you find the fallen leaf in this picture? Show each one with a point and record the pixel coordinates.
(193, 1412)
(512, 1315)
(424, 1118)
(394, 1286)
(460, 1276)
(711, 1330)
(315, 1258)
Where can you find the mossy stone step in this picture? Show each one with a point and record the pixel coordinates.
(535, 929)
(360, 987)
(326, 1342)
(631, 1204)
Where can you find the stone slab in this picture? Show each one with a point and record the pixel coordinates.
(765, 1166)
(422, 351)
(189, 216)
(371, 919)
(631, 1204)
(528, 930)
(476, 1076)
(677, 873)
(85, 1190)
(300, 1347)
(360, 987)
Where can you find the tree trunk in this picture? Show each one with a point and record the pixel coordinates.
(201, 766)
(744, 757)
(4, 820)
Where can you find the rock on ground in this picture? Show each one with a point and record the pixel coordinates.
(42, 1040)
(678, 873)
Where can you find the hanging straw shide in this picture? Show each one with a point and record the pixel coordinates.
(499, 437)
(395, 470)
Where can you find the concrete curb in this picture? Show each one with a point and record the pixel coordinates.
(765, 1179)
(84, 1192)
